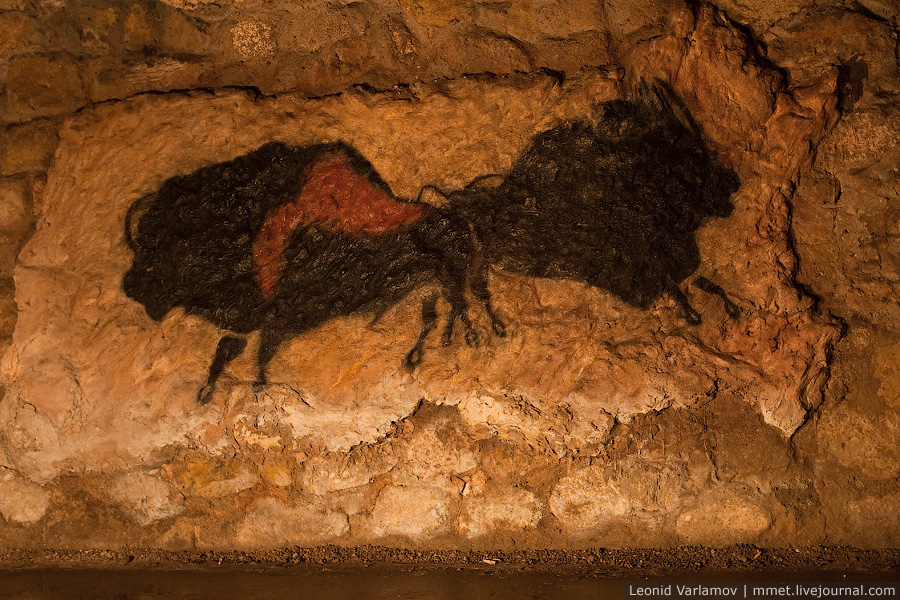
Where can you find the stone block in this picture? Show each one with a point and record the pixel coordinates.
(144, 498)
(867, 445)
(15, 207)
(97, 29)
(588, 500)
(29, 147)
(723, 517)
(43, 86)
(507, 508)
(271, 523)
(415, 512)
(182, 34)
(138, 28)
(21, 502)
(19, 33)
(8, 311)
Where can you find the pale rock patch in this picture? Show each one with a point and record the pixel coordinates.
(144, 498)
(721, 518)
(511, 508)
(21, 502)
(272, 523)
(415, 512)
(588, 500)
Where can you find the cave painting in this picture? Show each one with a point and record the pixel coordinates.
(286, 238)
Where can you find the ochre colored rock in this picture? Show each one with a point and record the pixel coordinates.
(38, 86)
(29, 147)
(415, 512)
(592, 420)
(21, 502)
(721, 518)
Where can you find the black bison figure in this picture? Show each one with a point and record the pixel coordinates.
(286, 238)
(614, 203)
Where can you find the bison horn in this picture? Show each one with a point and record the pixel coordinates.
(139, 206)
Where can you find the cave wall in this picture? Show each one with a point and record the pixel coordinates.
(592, 422)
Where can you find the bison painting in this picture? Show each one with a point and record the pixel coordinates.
(286, 238)
(614, 203)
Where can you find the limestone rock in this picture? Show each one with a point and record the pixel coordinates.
(38, 86)
(138, 28)
(29, 147)
(415, 512)
(210, 476)
(526, 434)
(439, 447)
(19, 33)
(21, 502)
(870, 521)
(588, 500)
(335, 472)
(272, 523)
(253, 40)
(723, 517)
(15, 220)
(861, 444)
(500, 509)
(144, 498)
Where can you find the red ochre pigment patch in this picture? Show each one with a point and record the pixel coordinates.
(336, 198)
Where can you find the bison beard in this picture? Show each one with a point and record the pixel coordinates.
(285, 238)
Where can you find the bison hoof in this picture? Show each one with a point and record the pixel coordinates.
(258, 386)
(471, 337)
(205, 394)
(414, 358)
(692, 316)
(499, 329)
(731, 308)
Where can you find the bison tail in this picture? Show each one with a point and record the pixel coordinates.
(139, 206)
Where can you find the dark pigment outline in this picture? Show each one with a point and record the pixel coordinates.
(286, 238)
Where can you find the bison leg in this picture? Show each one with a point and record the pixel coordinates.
(228, 349)
(429, 322)
(711, 288)
(458, 311)
(269, 341)
(479, 287)
(690, 315)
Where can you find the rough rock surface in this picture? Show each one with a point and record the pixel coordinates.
(592, 422)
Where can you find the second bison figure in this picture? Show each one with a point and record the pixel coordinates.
(286, 238)
(614, 203)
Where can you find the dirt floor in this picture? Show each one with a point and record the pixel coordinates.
(603, 562)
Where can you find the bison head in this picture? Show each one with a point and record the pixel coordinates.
(150, 280)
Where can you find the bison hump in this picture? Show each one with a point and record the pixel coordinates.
(336, 196)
